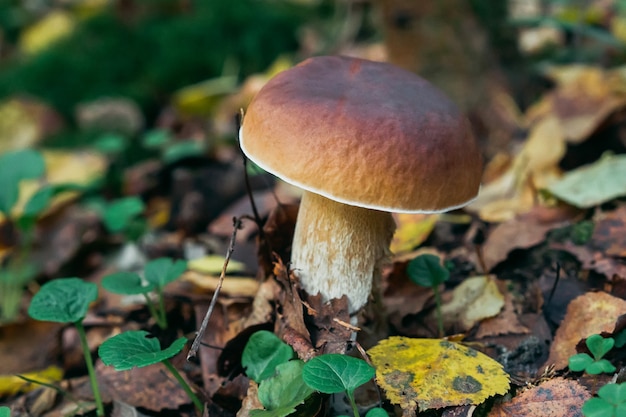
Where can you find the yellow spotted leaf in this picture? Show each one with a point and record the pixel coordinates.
(12, 384)
(435, 373)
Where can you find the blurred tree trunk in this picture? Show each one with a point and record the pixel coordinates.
(443, 41)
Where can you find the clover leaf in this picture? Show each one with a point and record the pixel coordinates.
(611, 402)
(598, 346)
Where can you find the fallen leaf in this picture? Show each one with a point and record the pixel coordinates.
(435, 373)
(473, 300)
(234, 286)
(213, 264)
(592, 184)
(43, 33)
(12, 384)
(412, 229)
(591, 313)
(506, 322)
(609, 233)
(554, 398)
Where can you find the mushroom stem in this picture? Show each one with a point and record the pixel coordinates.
(339, 249)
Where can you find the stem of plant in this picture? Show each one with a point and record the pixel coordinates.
(154, 313)
(184, 384)
(438, 310)
(162, 316)
(90, 369)
(355, 410)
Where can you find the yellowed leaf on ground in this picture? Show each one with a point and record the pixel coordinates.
(78, 168)
(213, 264)
(12, 384)
(556, 397)
(232, 285)
(53, 27)
(412, 229)
(435, 373)
(591, 313)
(475, 299)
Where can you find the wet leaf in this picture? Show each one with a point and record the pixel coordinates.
(593, 184)
(263, 353)
(435, 373)
(334, 373)
(134, 349)
(63, 300)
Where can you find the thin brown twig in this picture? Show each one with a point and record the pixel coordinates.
(193, 352)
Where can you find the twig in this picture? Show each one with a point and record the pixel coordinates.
(205, 322)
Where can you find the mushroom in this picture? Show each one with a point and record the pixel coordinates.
(362, 139)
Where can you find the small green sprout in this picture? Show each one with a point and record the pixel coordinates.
(157, 274)
(426, 271)
(66, 300)
(611, 402)
(335, 373)
(598, 346)
(285, 383)
(134, 349)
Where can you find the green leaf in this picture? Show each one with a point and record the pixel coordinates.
(155, 139)
(620, 339)
(16, 166)
(127, 283)
(5, 411)
(599, 367)
(335, 373)
(119, 213)
(613, 393)
(593, 184)
(426, 271)
(286, 389)
(162, 271)
(599, 346)
(38, 202)
(64, 300)
(377, 412)
(133, 349)
(263, 353)
(597, 407)
(182, 149)
(579, 362)
(110, 143)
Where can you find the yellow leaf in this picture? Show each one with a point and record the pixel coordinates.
(412, 230)
(11, 384)
(213, 264)
(473, 300)
(53, 27)
(234, 286)
(435, 373)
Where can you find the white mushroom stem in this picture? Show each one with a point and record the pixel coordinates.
(339, 249)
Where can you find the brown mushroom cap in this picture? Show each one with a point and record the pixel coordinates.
(363, 133)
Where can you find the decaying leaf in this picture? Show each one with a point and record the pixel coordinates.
(591, 313)
(609, 233)
(556, 397)
(473, 300)
(593, 184)
(435, 373)
(506, 322)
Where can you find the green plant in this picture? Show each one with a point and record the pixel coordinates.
(335, 373)
(122, 216)
(135, 349)
(286, 383)
(5, 411)
(426, 271)
(598, 346)
(157, 274)
(611, 402)
(66, 300)
(16, 166)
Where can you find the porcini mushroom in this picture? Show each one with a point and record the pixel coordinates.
(362, 139)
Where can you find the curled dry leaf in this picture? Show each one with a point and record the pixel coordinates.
(591, 313)
(554, 398)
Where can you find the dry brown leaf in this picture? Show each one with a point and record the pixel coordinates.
(609, 233)
(506, 322)
(554, 398)
(588, 314)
